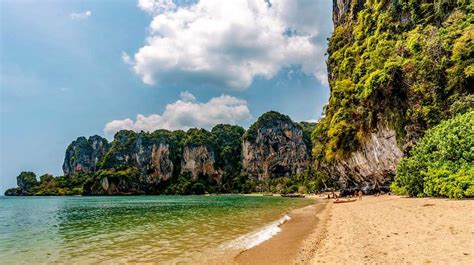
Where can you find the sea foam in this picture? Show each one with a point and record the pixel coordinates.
(258, 236)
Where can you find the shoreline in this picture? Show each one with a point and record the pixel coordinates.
(383, 229)
(284, 246)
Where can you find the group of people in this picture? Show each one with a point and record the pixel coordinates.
(356, 193)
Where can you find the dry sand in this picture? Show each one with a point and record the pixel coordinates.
(395, 230)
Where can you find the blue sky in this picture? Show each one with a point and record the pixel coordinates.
(72, 68)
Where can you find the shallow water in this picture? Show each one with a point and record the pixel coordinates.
(131, 228)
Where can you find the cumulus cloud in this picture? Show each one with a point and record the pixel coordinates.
(187, 113)
(81, 15)
(229, 43)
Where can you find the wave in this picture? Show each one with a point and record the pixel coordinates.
(258, 236)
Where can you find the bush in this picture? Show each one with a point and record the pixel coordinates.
(442, 163)
(198, 188)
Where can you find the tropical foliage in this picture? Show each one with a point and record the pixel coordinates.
(442, 163)
(48, 185)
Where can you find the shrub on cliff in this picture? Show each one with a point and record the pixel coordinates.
(197, 137)
(442, 163)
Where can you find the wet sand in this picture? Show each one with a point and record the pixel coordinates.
(286, 245)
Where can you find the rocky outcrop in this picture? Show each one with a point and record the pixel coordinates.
(152, 160)
(161, 164)
(83, 155)
(121, 186)
(146, 152)
(370, 168)
(274, 147)
(199, 161)
(346, 10)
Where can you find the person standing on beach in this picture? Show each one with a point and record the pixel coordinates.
(360, 195)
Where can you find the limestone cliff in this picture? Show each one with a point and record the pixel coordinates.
(199, 155)
(83, 155)
(273, 147)
(199, 161)
(388, 85)
(371, 167)
(149, 153)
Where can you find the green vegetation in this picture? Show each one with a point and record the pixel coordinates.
(308, 128)
(442, 163)
(228, 151)
(197, 137)
(48, 185)
(27, 184)
(406, 64)
(309, 181)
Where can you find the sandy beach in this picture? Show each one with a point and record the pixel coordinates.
(385, 229)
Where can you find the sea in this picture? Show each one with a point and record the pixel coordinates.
(136, 229)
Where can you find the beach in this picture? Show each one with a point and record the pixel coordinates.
(384, 229)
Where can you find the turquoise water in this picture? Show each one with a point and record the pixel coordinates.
(129, 229)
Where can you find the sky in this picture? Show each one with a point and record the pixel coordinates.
(79, 68)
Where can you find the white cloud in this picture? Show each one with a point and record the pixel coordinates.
(156, 6)
(81, 15)
(186, 113)
(229, 43)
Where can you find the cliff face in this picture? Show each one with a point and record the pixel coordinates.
(274, 147)
(83, 155)
(150, 155)
(199, 161)
(388, 85)
(371, 167)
